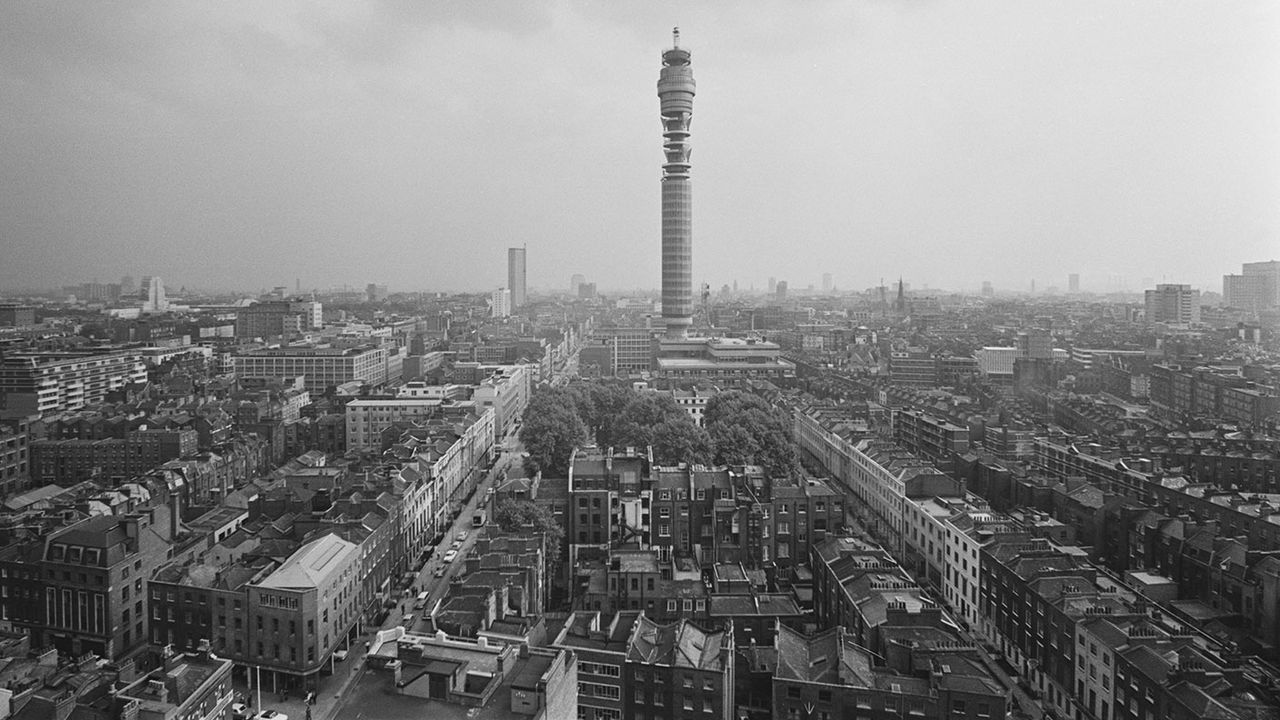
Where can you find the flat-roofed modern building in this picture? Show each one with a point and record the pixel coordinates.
(517, 276)
(722, 360)
(1173, 304)
(630, 350)
(46, 382)
(322, 368)
(506, 389)
(367, 419)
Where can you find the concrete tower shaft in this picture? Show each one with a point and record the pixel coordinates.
(675, 93)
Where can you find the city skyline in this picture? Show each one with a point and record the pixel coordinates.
(346, 144)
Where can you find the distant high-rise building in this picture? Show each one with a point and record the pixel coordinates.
(987, 289)
(780, 290)
(152, 295)
(1257, 288)
(827, 283)
(278, 318)
(516, 276)
(587, 290)
(676, 89)
(500, 302)
(127, 287)
(312, 313)
(1173, 304)
(575, 282)
(1247, 292)
(1034, 345)
(1268, 269)
(1073, 282)
(773, 285)
(98, 292)
(12, 315)
(374, 292)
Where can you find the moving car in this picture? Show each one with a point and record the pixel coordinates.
(270, 715)
(440, 571)
(240, 711)
(462, 535)
(449, 556)
(340, 655)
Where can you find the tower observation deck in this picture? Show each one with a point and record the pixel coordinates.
(675, 93)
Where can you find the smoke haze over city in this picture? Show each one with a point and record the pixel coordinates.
(244, 145)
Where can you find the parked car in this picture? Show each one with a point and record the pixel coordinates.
(407, 620)
(340, 655)
(270, 715)
(240, 711)
(449, 556)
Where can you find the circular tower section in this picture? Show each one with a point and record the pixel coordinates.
(675, 93)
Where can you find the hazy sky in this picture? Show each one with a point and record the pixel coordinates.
(250, 144)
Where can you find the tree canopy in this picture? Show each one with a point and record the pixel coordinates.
(746, 430)
(550, 430)
(650, 419)
(611, 415)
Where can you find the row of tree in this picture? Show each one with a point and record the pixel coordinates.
(741, 428)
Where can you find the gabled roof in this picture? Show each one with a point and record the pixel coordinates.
(679, 644)
(312, 564)
(827, 657)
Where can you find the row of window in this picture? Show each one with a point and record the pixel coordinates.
(592, 668)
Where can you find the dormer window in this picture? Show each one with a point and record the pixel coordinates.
(73, 554)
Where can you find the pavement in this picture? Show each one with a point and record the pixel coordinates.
(336, 688)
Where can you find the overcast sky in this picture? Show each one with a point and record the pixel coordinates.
(249, 144)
